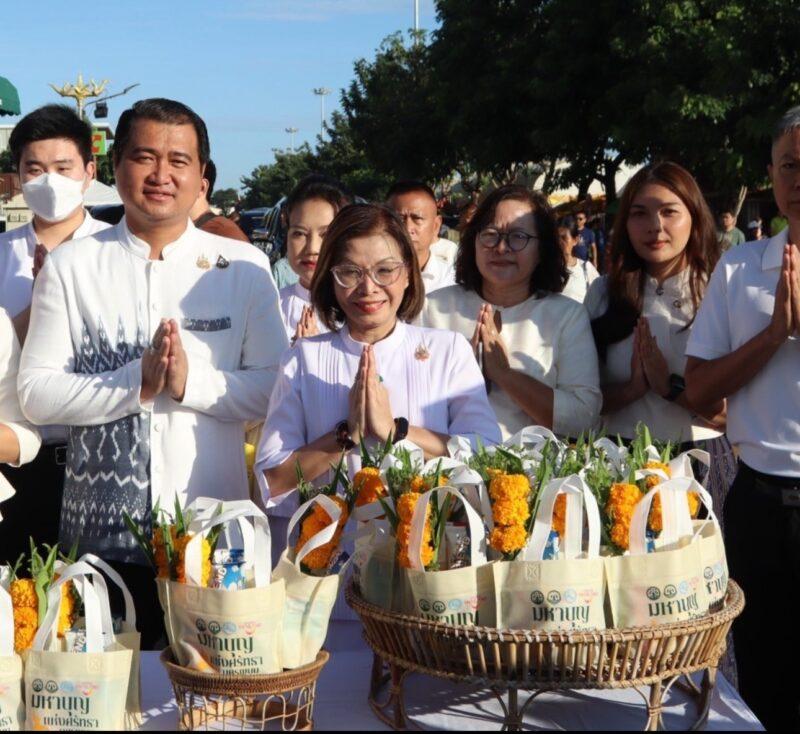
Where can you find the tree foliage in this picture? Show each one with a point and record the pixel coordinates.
(225, 199)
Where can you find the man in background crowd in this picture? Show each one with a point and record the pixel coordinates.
(205, 219)
(729, 235)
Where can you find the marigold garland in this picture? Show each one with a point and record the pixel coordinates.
(622, 498)
(314, 522)
(179, 560)
(560, 515)
(510, 511)
(405, 512)
(369, 485)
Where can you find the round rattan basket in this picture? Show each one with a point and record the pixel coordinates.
(279, 702)
(511, 660)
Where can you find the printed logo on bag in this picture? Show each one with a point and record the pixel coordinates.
(64, 706)
(6, 722)
(532, 572)
(230, 646)
(554, 611)
(676, 600)
(459, 611)
(716, 579)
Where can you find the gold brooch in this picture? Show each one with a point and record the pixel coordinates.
(202, 262)
(422, 353)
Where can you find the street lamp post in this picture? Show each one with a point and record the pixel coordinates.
(416, 15)
(322, 92)
(291, 131)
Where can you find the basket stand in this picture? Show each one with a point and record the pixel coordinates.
(650, 660)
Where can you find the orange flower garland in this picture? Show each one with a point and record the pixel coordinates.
(367, 482)
(405, 512)
(622, 498)
(509, 494)
(317, 520)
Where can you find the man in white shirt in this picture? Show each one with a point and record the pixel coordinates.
(52, 150)
(414, 202)
(154, 342)
(745, 346)
(19, 441)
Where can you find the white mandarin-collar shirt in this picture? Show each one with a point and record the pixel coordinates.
(669, 312)
(581, 275)
(445, 250)
(764, 415)
(10, 412)
(97, 304)
(17, 247)
(294, 298)
(547, 338)
(437, 273)
(431, 376)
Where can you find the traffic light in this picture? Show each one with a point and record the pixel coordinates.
(101, 110)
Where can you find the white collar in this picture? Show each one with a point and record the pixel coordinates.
(140, 248)
(85, 228)
(675, 284)
(386, 347)
(773, 252)
(300, 292)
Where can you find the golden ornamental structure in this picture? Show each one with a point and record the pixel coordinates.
(81, 91)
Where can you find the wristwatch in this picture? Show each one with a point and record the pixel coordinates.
(343, 438)
(676, 386)
(400, 429)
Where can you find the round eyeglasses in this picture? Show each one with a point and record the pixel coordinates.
(349, 276)
(516, 239)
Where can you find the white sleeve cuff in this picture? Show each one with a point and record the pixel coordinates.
(29, 442)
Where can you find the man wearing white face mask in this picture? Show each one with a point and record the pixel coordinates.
(52, 150)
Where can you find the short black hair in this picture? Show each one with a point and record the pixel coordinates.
(161, 110)
(210, 175)
(398, 188)
(51, 122)
(571, 224)
(317, 186)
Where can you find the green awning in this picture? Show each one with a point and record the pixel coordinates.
(9, 98)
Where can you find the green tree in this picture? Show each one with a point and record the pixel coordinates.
(268, 183)
(6, 161)
(225, 199)
(105, 169)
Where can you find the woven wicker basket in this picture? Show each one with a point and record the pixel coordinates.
(510, 660)
(279, 702)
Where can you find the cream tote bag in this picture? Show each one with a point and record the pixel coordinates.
(309, 599)
(12, 708)
(667, 584)
(232, 632)
(460, 596)
(128, 637)
(567, 593)
(79, 691)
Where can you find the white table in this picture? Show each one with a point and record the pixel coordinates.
(341, 702)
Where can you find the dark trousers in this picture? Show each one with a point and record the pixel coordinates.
(141, 582)
(35, 509)
(762, 541)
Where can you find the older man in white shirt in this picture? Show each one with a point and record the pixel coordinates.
(414, 202)
(154, 342)
(52, 150)
(745, 346)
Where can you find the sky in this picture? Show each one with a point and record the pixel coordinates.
(247, 67)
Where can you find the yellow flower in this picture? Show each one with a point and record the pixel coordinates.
(620, 534)
(510, 512)
(23, 594)
(509, 486)
(405, 512)
(322, 514)
(368, 484)
(406, 505)
(160, 551)
(560, 515)
(508, 539)
(651, 480)
(67, 612)
(655, 521)
(26, 622)
(622, 498)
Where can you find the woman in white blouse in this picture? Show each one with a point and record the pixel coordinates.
(581, 272)
(375, 376)
(534, 344)
(19, 441)
(663, 250)
(309, 210)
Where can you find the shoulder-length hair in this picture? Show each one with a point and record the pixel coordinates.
(627, 274)
(550, 275)
(362, 220)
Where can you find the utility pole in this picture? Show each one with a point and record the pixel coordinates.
(291, 131)
(416, 15)
(322, 92)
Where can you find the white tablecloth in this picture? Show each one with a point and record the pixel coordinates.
(343, 687)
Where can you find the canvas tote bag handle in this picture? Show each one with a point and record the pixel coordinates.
(323, 536)
(477, 545)
(260, 554)
(675, 517)
(579, 496)
(116, 579)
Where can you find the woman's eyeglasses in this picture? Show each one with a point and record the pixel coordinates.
(516, 239)
(349, 276)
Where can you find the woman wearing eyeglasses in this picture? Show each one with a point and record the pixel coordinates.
(373, 375)
(535, 346)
